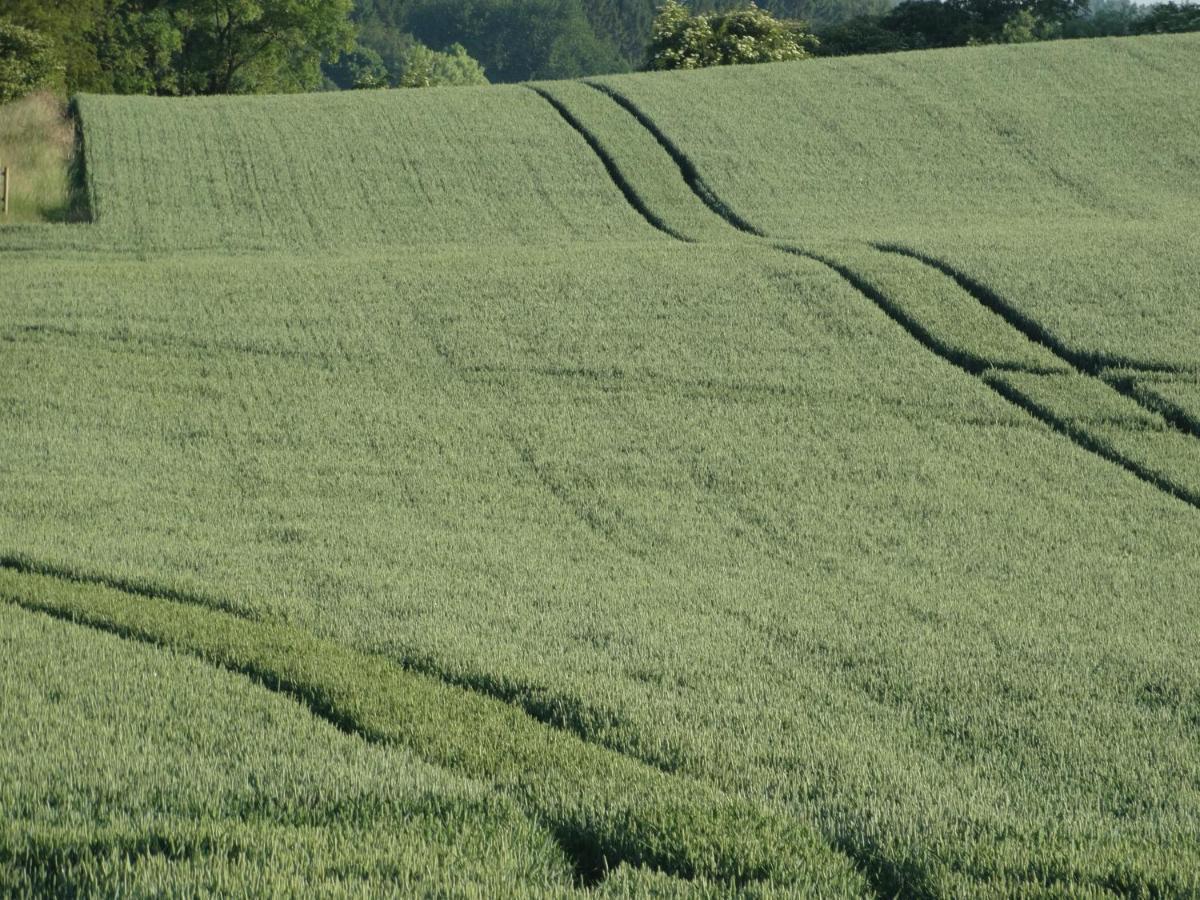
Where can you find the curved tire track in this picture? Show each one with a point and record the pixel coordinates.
(687, 168)
(604, 808)
(1083, 363)
(1091, 364)
(610, 166)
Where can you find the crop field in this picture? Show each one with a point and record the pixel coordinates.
(774, 481)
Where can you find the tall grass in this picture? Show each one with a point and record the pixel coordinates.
(37, 141)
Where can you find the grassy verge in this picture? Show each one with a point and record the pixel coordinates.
(37, 141)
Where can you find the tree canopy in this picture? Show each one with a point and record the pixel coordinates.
(27, 61)
(190, 46)
(249, 46)
(517, 40)
(919, 24)
(238, 46)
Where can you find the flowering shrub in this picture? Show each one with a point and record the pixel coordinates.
(680, 40)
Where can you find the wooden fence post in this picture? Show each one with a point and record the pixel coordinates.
(7, 173)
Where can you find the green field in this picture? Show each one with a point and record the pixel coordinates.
(772, 481)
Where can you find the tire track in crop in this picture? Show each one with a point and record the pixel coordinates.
(885, 877)
(1084, 363)
(610, 166)
(687, 168)
(646, 383)
(16, 562)
(1079, 436)
(568, 714)
(126, 341)
(586, 513)
(1092, 364)
(603, 807)
(596, 524)
(1154, 401)
(317, 706)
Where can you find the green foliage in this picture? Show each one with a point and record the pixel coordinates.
(72, 25)
(1169, 18)
(680, 40)
(824, 13)
(1105, 18)
(408, 63)
(988, 17)
(253, 46)
(357, 69)
(920, 24)
(625, 24)
(140, 52)
(623, 27)
(861, 34)
(929, 23)
(1025, 26)
(192, 46)
(516, 40)
(429, 68)
(917, 24)
(27, 61)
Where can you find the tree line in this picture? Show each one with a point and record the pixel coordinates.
(177, 47)
(923, 24)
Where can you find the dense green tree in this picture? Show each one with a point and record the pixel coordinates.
(929, 23)
(138, 52)
(862, 34)
(1169, 18)
(27, 61)
(679, 40)
(1024, 26)
(988, 18)
(246, 46)
(1104, 18)
(623, 23)
(429, 68)
(682, 40)
(357, 69)
(190, 46)
(391, 43)
(627, 23)
(918, 24)
(621, 27)
(516, 40)
(825, 13)
(72, 26)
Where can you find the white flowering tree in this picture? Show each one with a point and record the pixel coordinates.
(680, 40)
